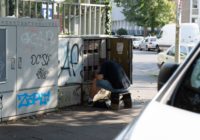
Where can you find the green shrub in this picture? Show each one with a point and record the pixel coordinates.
(122, 31)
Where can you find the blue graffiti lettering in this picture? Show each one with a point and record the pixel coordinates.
(26, 99)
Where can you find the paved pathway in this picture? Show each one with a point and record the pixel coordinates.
(88, 123)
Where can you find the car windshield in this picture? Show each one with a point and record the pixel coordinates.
(183, 50)
(153, 39)
(190, 48)
(137, 39)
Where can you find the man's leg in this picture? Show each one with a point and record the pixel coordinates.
(105, 84)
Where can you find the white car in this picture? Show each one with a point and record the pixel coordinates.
(148, 43)
(169, 54)
(136, 41)
(174, 113)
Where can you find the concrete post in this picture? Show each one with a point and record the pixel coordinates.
(3, 8)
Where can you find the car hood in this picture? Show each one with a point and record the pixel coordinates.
(162, 122)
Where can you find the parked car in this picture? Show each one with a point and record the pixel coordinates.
(148, 43)
(169, 54)
(173, 114)
(136, 41)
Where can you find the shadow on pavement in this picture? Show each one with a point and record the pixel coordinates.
(75, 122)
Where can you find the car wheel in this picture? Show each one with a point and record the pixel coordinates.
(147, 49)
(157, 49)
(161, 64)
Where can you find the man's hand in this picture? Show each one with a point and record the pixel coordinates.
(99, 76)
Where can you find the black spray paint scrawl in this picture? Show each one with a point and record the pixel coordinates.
(42, 73)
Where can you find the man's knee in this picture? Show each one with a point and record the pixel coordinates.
(104, 84)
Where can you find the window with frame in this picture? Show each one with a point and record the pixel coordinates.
(194, 4)
(194, 20)
(3, 55)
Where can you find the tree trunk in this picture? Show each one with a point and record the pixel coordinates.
(152, 31)
(145, 31)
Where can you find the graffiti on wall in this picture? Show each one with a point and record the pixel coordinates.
(42, 59)
(27, 100)
(71, 58)
(42, 73)
(70, 62)
(40, 46)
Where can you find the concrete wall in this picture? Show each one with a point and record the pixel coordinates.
(70, 67)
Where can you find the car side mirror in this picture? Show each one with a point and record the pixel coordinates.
(165, 73)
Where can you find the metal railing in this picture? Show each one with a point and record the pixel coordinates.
(75, 18)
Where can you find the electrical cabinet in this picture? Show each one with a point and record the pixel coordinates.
(28, 65)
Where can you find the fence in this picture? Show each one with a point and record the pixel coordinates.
(75, 18)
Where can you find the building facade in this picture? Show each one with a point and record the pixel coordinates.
(190, 11)
(194, 11)
(119, 21)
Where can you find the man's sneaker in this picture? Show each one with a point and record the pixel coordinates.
(90, 103)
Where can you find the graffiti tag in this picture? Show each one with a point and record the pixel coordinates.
(71, 58)
(42, 59)
(27, 100)
(42, 73)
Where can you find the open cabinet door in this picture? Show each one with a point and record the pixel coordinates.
(120, 50)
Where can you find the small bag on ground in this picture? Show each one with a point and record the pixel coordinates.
(102, 99)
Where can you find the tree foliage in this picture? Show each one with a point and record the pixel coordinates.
(148, 13)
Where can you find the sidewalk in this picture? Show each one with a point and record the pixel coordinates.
(77, 122)
(83, 122)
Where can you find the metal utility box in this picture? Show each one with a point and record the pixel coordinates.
(80, 58)
(28, 66)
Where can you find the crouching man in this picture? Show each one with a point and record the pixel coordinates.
(111, 77)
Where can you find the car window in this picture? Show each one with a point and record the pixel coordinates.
(153, 39)
(183, 50)
(195, 76)
(171, 51)
(187, 95)
(160, 34)
(137, 39)
(189, 49)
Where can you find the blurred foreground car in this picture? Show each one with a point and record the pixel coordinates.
(169, 54)
(136, 41)
(174, 113)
